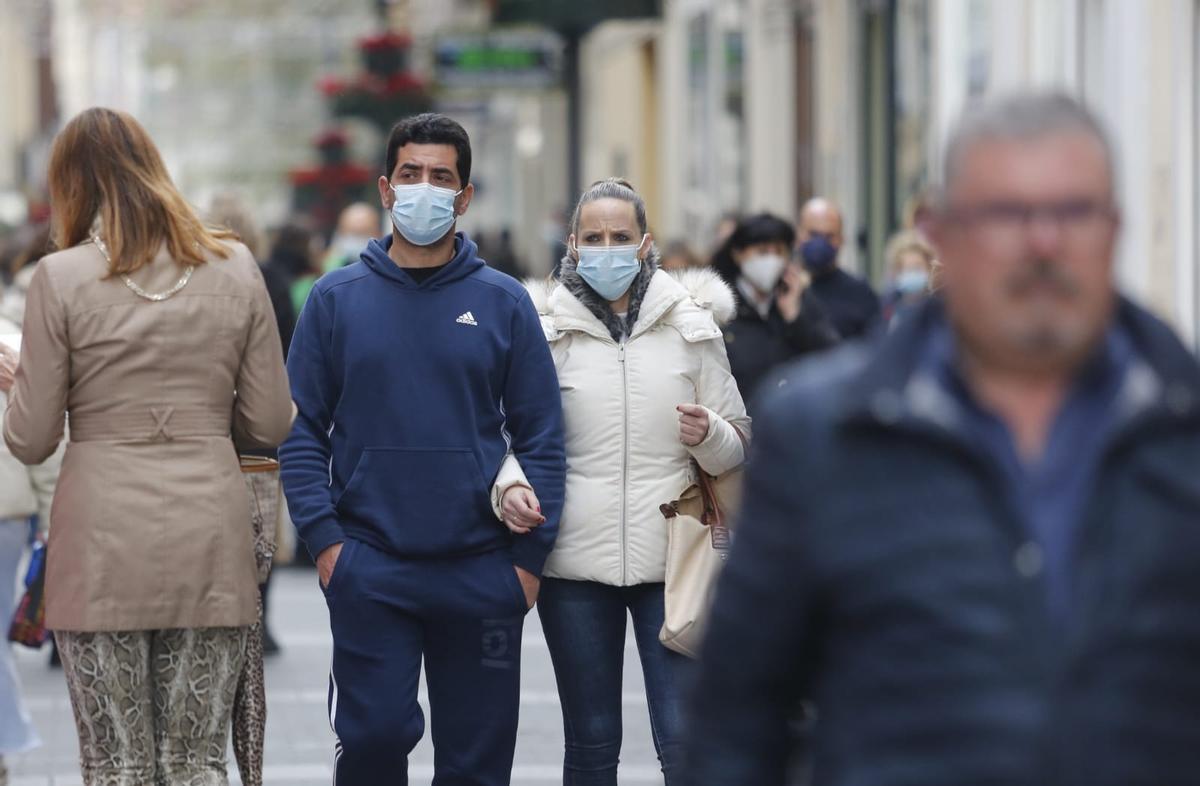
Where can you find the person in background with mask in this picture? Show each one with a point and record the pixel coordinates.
(357, 224)
(910, 263)
(647, 396)
(778, 317)
(851, 304)
(416, 371)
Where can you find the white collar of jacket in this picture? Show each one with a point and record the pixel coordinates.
(696, 302)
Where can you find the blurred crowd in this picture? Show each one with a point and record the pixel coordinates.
(791, 298)
(954, 544)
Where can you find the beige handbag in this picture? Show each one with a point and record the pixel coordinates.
(697, 544)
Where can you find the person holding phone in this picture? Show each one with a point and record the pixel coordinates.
(778, 317)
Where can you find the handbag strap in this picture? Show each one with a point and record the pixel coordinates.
(715, 517)
(258, 464)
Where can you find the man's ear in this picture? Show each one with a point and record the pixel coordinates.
(463, 201)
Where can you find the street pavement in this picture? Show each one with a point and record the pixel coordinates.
(299, 744)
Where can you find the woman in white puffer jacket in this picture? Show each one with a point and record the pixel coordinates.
(646, 389)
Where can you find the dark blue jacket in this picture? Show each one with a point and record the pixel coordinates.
(881, 572)
(409, 397)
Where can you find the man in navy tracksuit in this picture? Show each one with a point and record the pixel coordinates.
(415, 371)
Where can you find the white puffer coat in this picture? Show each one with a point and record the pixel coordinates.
(624, 455)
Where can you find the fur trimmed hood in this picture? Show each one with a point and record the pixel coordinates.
(709, 291)
(692, 295)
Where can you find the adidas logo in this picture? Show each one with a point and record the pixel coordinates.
(467, 319)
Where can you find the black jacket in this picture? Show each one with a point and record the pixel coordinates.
(851, 304)
(756, 345)
(279, 288)
(878, 572)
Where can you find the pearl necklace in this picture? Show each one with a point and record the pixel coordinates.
(137, 290)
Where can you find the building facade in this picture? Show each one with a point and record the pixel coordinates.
(763, 103)
(227, 89)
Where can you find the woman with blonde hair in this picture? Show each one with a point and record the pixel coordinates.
(154, 335)
(648, 401)
(911, 267)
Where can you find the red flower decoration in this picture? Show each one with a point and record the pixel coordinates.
(384, 42)
(337, 175)
(382, 87)
(403, 82)
(330, 85)
(334, 137)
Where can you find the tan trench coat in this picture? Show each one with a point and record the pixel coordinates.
(151, 516)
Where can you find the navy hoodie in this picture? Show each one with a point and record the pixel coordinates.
(409, 397)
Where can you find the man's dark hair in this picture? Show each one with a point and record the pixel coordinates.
(762, 228)
(430, 128)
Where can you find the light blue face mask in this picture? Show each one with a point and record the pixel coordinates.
(911, 282)
(609, 270)
(422, 213)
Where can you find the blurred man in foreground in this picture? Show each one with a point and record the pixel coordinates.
(974, 544)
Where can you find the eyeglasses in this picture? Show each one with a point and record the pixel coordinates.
(1007, 221)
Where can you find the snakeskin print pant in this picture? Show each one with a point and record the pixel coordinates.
(153, 708)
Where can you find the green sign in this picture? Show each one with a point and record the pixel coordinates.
(499, 59)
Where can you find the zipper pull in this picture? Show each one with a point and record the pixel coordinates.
(621, 353)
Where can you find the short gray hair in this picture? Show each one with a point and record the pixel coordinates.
(1023, 116)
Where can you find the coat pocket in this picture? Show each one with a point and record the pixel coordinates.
(424, 501)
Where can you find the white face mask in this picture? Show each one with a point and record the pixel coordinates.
(350, 246)
(763, 271)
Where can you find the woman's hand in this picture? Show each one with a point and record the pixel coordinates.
(693, 424)
(792, 284)
(8, 367)
(521, 511)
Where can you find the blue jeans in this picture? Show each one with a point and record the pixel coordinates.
(585, 623)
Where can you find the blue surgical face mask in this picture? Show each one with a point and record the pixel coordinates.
(422, 213)
(911, 282)
(819, 254)
(609, 270)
